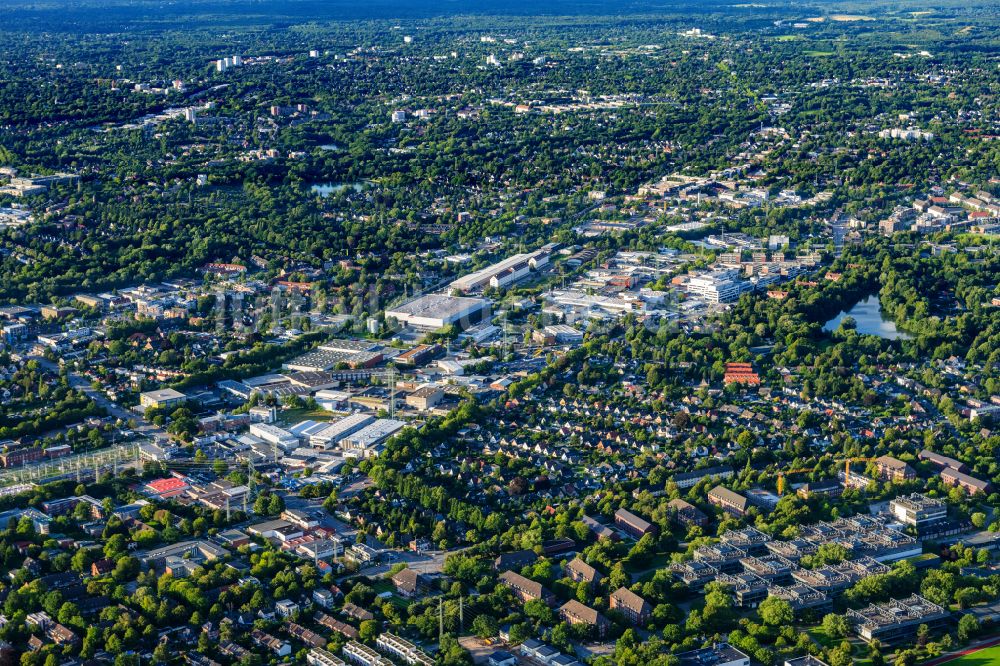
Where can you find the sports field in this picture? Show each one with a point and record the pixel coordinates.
(988, 657)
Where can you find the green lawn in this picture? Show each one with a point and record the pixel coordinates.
(988, 657)
(820, 637)
(658, 561)
(385, 585)
(292, 416)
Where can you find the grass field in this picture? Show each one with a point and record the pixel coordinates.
(988, 657)
(290, 417)
(385, 585)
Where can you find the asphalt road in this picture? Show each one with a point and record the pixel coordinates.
(81, 383)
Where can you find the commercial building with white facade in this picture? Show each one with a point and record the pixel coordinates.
(434, 311)
(503, 273)
(330, 436)
(718, 286)
(365, 442)
(274, 435)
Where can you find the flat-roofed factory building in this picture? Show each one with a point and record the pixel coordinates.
(434, 311)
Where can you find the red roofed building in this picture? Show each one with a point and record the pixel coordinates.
(741, 373)
(168, 487)
(224, 269)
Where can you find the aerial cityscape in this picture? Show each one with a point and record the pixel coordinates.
(601, 333)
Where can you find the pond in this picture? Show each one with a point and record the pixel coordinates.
(326, 189)
(868, 315)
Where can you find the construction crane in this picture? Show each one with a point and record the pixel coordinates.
(783, 473)
(847, 471)
(847, 466)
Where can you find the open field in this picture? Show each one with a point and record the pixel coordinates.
(987, 657)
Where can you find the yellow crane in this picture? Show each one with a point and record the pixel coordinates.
(847, 466)
(783, 473)
(847, 471)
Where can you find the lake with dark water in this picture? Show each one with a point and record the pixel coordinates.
(870, 319)
(326, 189)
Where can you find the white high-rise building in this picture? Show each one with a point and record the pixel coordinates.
(718, 286)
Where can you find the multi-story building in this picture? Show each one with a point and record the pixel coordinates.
(897, 619)
(690, 479)
(829, 488)
(836, 578)
(749, 539)
(941, 462)
(892, 469)
(19, 457)
(323, 598)
(598, 530)
(286, 608)
(633, 607)
(407, 582)
(686, 513)
(425, 397)
(720, 286)
(161, 399)
(806, 660)
(770, 567)
(969, 484)
(801, 597)
(728, 501)
(299, 518)
(526, 589)
(748, 590)
(362, 553)
(307, 636)
(265, 640)
(363, 655)
(633, 525)
(720, 654)
(694, 574)
(722, 556)
(334, 624)
(419, 355)
(320, 657)
(918, 510)
(580, 572)
(516, 560)
(573, 612)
